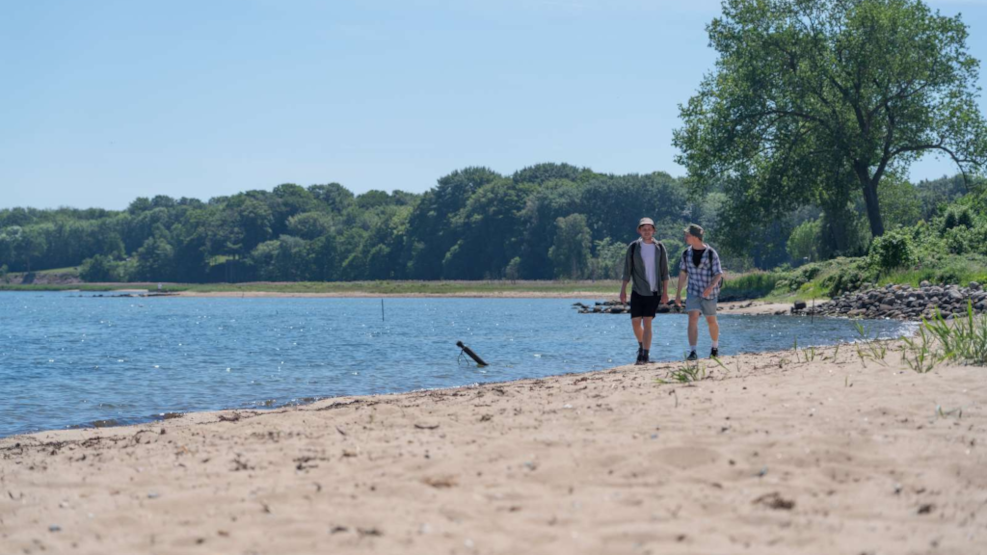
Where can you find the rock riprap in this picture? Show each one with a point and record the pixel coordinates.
(616, 307)
(904, 302)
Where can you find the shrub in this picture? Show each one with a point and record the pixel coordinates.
(957, 240)
(957, 217)
(100, 269)
(803, 243)
(851, 276)
(978, 239)
(891, 251)
(750, 286)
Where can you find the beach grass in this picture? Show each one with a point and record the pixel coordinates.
(960, 340)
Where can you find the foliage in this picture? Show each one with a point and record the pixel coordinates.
(513, 269)
(750, 286)
(811, 96)
(891, 251)
(570, 254)
(962, 340)
(609, 260)
(101, 269)
(804, 240)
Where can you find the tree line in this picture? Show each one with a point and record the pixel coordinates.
(546, 221)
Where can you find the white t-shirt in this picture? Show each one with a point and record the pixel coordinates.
(648, 251)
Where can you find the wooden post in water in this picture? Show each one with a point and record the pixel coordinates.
(382, 310)
(479, 361)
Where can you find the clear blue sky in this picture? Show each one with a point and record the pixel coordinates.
(104, 101)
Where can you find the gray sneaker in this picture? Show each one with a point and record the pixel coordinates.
(692, 356)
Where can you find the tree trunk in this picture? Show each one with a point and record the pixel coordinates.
(873, 209)
(869, 185)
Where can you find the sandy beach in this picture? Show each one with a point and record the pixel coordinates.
(773, 454)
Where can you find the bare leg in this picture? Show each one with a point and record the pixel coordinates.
(638, 332)
(646, 336)
(694, 327)
(714, 328)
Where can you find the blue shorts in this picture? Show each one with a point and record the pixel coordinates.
(706, 306)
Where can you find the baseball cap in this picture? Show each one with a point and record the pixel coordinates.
(646, 221)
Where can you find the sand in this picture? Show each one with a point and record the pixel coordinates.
(770, 455)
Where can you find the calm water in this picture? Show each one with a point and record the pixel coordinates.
(68, 360)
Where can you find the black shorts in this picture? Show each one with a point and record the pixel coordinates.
(644, 307)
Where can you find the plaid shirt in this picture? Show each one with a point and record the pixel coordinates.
(702, 276)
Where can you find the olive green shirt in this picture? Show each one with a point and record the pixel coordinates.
(634, 270)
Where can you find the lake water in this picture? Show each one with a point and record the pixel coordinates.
(70, 359)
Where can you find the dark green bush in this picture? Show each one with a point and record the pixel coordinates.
(850, 275)
(891, 251)
(100, 269)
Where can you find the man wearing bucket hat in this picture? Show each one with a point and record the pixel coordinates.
(700, 265)
(646, 265)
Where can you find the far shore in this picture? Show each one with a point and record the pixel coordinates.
(598, 290)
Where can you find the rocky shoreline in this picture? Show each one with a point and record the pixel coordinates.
(617, 307)
(896, 302)
(904, 302)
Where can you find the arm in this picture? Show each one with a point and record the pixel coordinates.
(712, 285)
(717, 275)
(664, 275)
(678, 289)
(682, 277)
(627, 275)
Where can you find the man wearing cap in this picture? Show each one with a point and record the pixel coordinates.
(646, 264)
(700, 265)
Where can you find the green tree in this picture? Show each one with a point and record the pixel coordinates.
(31, 246)
(552, 200)
(334, 196)
(900, 203)
(489, 229)
(609, 260)
(805, 89)
(310, 225)
(570, 254)
(430, 231)
(542, 173)
(513, 269)
(99, 269)
(803, 243)
(323, 258)
(155, 260)
(282, 259)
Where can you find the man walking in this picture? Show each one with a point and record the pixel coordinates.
(646, 264)
(701, 266)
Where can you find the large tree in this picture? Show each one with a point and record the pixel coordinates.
(808, 93)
